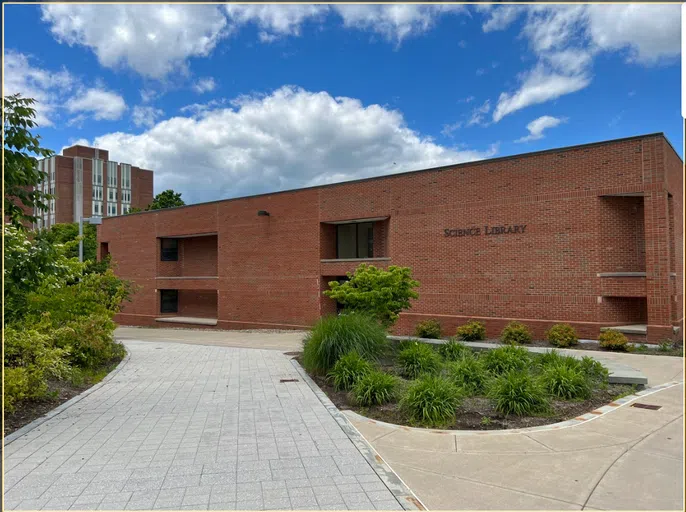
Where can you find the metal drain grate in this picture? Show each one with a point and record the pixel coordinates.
(288, 380)
(647, 406)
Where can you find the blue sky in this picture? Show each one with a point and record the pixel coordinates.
(223, 102)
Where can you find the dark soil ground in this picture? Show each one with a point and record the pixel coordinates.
(477, 413)
(59, 392)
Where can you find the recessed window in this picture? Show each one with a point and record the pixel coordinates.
(355, 240)
(170, 249)
(169, 301)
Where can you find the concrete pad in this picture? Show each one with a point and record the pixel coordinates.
(629, 486)
(418, 441)
(575, 439)
(440, 492)
(667, 441)
(494, 443)
(370, 431)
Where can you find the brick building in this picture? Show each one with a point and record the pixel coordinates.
(86, 183)
(591, 235)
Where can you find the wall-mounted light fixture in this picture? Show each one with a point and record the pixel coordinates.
(263, 213)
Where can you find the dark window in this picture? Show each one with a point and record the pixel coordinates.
(170, 249)
(169, 301)
(355, 240)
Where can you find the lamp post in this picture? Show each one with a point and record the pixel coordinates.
(89, 220)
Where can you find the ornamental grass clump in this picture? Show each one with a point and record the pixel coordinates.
(471, 331)
(418, 359)
(431, 401)
(375, 388)
(469, 374)
(554, 358)
(594, 370)
(334, 336)
(348, 370)
(566, 382)
(562, 335)
(430, 329)
(503, 359)
(518, 393)
(454, 350)
(516, 333)
(613, 340)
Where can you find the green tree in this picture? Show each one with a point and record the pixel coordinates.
(21, 174)
(380, 293)
(166, 199)
(67, 233)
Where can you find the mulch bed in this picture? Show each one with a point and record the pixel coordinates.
(471, 414)
(60, 392)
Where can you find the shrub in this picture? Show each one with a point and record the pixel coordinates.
(562, 335)
(417, 359)
(566, 382)
(333, 336)
(454, 350)
(348, 370)
(516, 333)
(16, 387)
(554, 358)
(428, 329)
(517, 392)
(380, 293)
(89, 341)
(503, 359)
(375, 388)
(432, 401)
(469, 374)
(665, 346)
(471, 331)
(594, 370)
(613, 340)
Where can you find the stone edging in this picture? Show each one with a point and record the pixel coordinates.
(619, 373)
(407, 499)
(59, 409)
(584, 418)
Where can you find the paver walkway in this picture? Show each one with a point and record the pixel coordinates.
(193, 427)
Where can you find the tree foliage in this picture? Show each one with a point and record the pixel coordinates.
(166, 199)
(380, 293)
(21, 173)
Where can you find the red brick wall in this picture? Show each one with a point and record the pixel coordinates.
(85, 152)
(270, 273)
(199, 256)
(64, 184)
(195, 303)
(141, 187)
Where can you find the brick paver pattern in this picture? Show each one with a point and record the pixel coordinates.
(193, 427)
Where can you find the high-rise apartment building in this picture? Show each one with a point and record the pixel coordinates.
(86, 183)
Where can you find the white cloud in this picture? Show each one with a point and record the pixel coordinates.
(566, 38)
(479, 113)
(448, 129)
(394, 22)
(538, 86)
(204, 85)
(145, 115)
(287, 139)
(275, 21)
(99, 103)
(153, 40)
(48, 87)
(538, 126)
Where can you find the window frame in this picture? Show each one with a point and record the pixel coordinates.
(166, 301)
(369, 244)
(169, 254)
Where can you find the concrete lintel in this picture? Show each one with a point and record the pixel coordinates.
(622, 274)
(187, 320)
(355, 221)
(343, 260)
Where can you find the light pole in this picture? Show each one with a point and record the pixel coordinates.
(89, 220)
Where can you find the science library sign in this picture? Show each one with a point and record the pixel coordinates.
(516, 229)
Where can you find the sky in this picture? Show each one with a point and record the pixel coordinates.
(224, 101)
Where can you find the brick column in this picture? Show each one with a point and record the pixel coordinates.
(658, 265)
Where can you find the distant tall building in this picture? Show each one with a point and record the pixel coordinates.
(86, 183)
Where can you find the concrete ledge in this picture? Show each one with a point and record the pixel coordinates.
(627, 329)
(343, 260)
(619, 373)
(622, 274)
(187, 320)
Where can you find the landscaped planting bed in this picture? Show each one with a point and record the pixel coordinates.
(450, 386)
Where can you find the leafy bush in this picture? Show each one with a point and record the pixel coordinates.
(417, 359)
(30, 359)
(503, 359)
(454, 350)
(562, 335)
(348, 370)
(517, 392)
(566, 382)
(432, 401)
(428, 329)
(665, 346)
(613, 340)
(470, 374)
(89, 341)
(516, 333)
(375, 388)
(380, 293)
(471, 331)
(333, 336)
